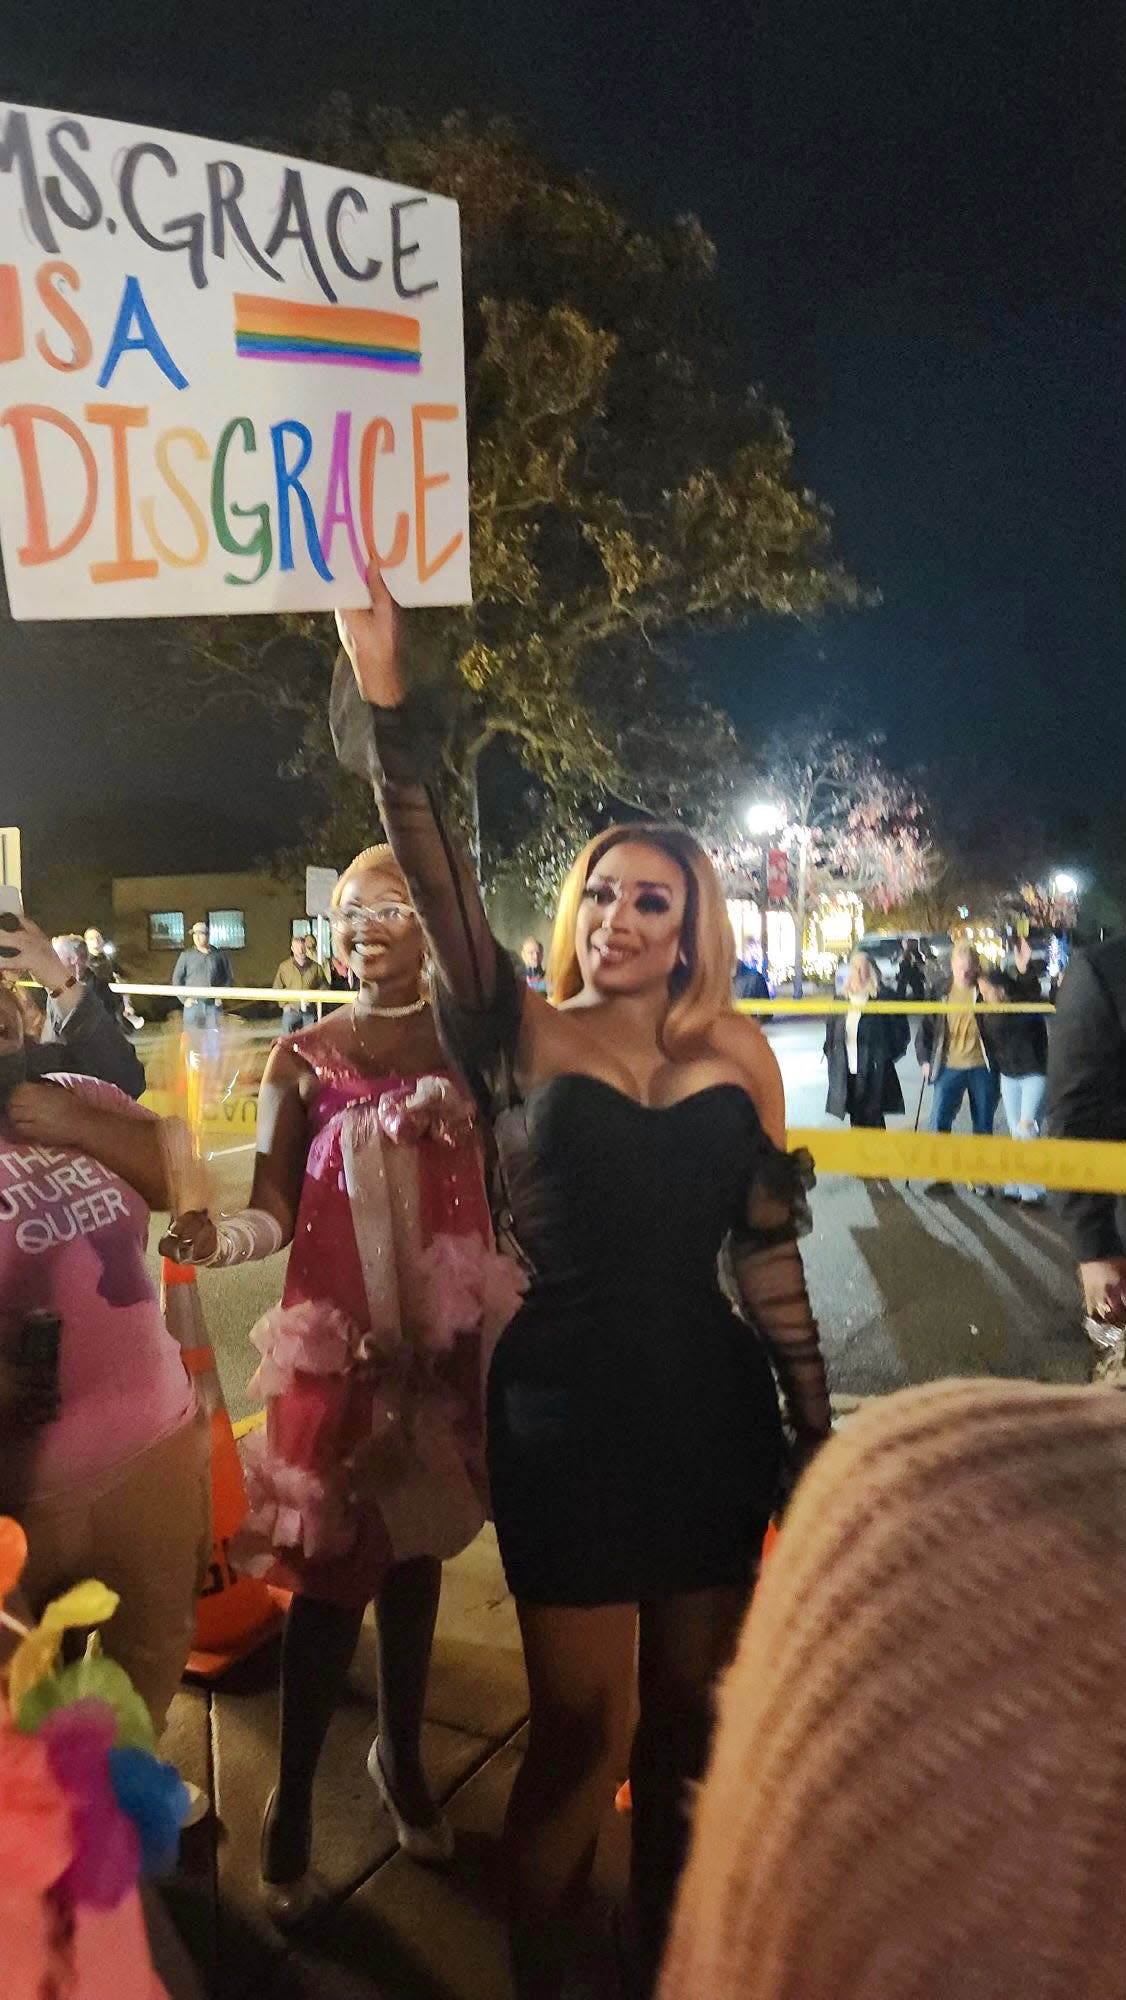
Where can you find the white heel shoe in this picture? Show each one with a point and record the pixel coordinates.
(433, 1846)
(287, 1902)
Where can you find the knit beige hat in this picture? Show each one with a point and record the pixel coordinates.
(918, 1790)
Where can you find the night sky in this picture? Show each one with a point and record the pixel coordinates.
(920, 222)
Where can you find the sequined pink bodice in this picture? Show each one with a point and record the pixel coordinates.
(340, 1081)
(323, 1262)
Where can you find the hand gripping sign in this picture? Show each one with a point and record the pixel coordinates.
(225, 378)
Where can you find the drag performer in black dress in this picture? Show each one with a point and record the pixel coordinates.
(635, 1442)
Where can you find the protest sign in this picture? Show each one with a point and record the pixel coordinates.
(225, 378)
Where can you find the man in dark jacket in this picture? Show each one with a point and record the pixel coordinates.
(78, 1037)
(1087, 1100)
(911, 979)
(748, 982)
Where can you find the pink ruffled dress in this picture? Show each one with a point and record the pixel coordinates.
(373, 1365)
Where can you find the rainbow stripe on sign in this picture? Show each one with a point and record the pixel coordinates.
(335, 336)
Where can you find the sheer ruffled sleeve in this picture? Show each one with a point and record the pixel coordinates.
(479, 994)
(767, 1268)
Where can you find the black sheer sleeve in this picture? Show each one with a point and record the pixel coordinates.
(767, 1268)
(480, 997)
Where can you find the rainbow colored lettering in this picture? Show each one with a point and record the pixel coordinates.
(335, 336)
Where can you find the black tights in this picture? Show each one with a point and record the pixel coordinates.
(317, 1648)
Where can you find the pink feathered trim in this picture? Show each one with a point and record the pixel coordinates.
(468, 1289)
(313, 1337)
(292, 1508)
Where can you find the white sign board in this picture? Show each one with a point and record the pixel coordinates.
(225, 378)
(10, 856)
(319, 885)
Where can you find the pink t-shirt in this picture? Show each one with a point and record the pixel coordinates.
(72, 1240)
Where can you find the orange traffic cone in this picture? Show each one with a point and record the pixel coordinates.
(235, 1613)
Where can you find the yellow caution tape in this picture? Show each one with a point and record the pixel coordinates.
(278, 996)
(253, 1422)
(773, 1007)
(1087, 1166)
(323, 996)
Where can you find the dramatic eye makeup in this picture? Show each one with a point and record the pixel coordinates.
(651, 899)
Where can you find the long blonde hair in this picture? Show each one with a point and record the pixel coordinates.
(700, 988)
(860, 960)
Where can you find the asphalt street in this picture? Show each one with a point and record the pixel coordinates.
(906, 1287)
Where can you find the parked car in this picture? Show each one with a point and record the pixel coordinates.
(885, 949)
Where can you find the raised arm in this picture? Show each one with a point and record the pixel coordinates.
(376, 731)
(80, 1037)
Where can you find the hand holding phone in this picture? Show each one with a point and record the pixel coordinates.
(11, 914)
(24, 947)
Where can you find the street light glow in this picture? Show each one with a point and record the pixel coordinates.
(763, 817)
(1065, 885)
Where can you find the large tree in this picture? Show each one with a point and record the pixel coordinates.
(629, 489)
(847, 821)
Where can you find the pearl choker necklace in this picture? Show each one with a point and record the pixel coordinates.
(391, 1013)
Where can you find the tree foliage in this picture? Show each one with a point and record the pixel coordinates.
(629, 488)
(865, 829)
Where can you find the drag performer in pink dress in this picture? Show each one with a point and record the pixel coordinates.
(370, 1469)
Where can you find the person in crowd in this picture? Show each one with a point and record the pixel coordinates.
(749, 982)
(106, 968)
(341, 979)
(916, 1787)
(70, 1030)
(911, 978)
(1087, 1100)
(1017, 1046)
(862, 1049)
(299, 972)
(370, 1471)
(953, 1057)
(104, 1457)
(74, 952)
(531, 958)
(202, 964)
(635, 1447)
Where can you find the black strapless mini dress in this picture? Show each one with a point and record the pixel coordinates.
(635, 1444)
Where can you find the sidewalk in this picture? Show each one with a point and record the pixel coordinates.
(387, 1929)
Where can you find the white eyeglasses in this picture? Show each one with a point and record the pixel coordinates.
(393, 915)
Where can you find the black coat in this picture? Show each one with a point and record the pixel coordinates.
(1087, 1086)
(881, 1040)
(1017, 1044)
(910, 980)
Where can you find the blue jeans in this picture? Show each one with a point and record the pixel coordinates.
(1023, 1099)
(949, 1091)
